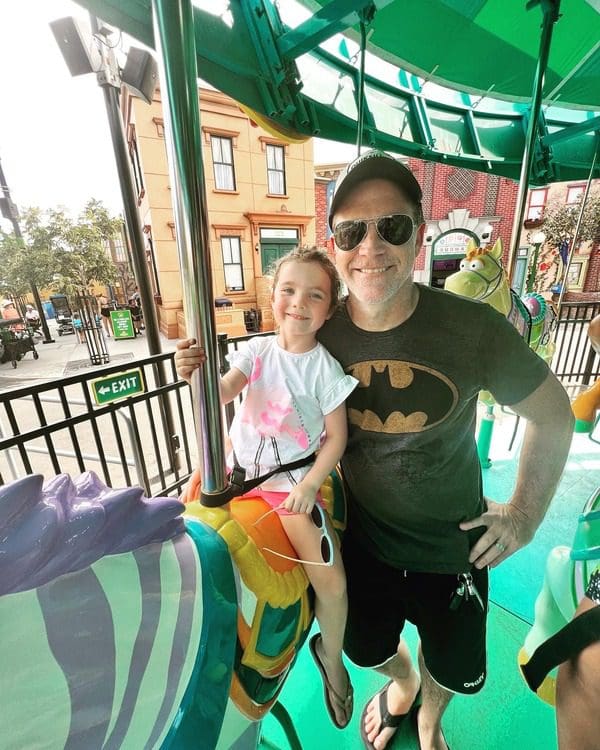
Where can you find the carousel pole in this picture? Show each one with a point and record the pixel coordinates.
(563, 285)
(175, 43)
(550, 10)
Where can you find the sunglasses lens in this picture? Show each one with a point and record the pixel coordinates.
(396, 229)
(348, 234)
(317, 516)
(325, 550)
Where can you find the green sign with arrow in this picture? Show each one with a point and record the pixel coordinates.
(115, 387)
(122, 324)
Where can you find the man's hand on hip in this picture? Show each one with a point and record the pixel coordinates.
(508, 529)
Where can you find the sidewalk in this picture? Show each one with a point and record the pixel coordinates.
(66, 356)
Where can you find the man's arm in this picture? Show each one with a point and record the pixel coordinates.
(512, 525)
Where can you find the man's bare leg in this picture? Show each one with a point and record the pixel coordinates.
(429, 718)
(400, 697)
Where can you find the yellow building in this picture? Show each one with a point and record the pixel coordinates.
(260, 199)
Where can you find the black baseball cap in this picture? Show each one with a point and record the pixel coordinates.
(375, 165)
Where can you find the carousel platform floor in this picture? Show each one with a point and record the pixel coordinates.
(505, 713)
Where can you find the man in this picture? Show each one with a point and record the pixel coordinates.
(420, 535)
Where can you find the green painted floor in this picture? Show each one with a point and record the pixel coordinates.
(505, 714)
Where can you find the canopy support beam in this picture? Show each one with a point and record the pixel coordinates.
(550, 10)
(338, 16)
(175, 44)
(571, 131)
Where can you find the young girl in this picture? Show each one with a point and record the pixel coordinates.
(295, 392)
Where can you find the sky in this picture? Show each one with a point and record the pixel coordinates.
(55, 144)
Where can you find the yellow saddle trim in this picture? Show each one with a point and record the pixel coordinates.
(276, 588)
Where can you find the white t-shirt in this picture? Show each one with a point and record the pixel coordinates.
(282, 416)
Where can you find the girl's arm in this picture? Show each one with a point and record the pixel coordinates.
(232, 384)
(302, 497)
(188, 358)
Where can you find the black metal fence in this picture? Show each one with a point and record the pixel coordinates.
(146, 439)
(574, 361)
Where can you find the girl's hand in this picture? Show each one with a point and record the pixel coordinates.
(188, 358)
(301, 499)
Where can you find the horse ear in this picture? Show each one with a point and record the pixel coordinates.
(496, 251)
(471, 246)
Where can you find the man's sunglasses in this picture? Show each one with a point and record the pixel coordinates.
(395, 229)
(318, 518)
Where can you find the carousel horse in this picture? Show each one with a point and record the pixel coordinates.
(482, 277)
(568, 573)
(124, 623)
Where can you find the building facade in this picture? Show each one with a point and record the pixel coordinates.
(461, 204)
(260, 199)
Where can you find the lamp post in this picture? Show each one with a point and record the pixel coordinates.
(538, 240)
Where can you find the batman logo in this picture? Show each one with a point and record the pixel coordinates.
(396, 397)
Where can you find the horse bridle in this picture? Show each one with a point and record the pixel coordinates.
(497, 278)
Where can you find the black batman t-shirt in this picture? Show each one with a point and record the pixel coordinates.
(411, 464)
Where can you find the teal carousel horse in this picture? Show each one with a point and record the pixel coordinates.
(568, 573)
(135, 623)
(482, 277)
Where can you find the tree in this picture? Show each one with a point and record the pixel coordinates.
(560, 221)
(57, 252)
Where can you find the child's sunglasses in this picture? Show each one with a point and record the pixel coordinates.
(395, 229)
(318, 518)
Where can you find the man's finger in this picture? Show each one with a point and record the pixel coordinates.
(473, 523)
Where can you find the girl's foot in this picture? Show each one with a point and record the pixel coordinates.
(338, 691)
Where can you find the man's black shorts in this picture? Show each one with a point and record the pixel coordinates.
(381, 598)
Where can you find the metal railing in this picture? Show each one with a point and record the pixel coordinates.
(574, 361)
(53, 428)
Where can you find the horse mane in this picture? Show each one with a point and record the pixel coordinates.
(67, 525)
(475, 252)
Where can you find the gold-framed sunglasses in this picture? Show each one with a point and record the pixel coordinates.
(317, 515)
(396, 229)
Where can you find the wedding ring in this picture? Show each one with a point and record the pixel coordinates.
(500, 546)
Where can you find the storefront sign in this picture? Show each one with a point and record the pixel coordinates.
(451, 243)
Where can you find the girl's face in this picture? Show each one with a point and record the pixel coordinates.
(301, 299)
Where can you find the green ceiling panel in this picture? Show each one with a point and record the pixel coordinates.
(477, 48)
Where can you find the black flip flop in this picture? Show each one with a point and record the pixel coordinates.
(347, 703)
(388, 720)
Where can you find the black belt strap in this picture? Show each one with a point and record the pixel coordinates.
(239, 485)
(581, 632)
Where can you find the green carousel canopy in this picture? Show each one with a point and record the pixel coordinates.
(445, 80)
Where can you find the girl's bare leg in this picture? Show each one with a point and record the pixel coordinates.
(331, 602)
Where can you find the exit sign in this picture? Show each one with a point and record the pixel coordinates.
(115, 387)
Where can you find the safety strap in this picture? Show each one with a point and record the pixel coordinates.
(239, 485)
(581, 632)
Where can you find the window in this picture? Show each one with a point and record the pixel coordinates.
(120, 252)
(222, 155)
(232, 263)
(537, 203)
(275, 170)
(575, 194)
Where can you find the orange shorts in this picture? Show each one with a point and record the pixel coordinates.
(274, 499)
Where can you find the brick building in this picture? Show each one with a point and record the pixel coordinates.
(459, 204)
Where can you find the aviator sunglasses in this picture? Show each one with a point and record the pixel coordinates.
(395, 229)
(318, 518)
